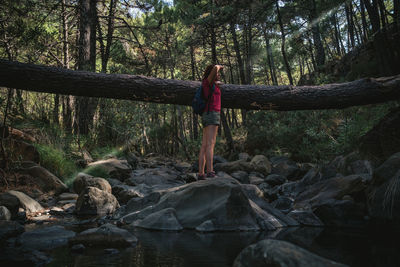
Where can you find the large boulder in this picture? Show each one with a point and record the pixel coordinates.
(384, 199)
(223, 201)
(384, 138)
(333, 188)
(45, 180)
(343, 213)
(11, 202)
(5, 214)
(115, 168)
(27, 203)
(164, 220)
(233, 166)
(275, 179)
(22, 151)
(288, 169)
(93, 201)
(156, 178)
(278, 253)
(46, 238)
(124, 193)
(107, 235)
(261, 164)
(83, 180)
(387, 169)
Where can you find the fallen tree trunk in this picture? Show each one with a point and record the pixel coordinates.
(140, 88)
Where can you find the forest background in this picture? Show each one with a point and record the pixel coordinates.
(269, 42)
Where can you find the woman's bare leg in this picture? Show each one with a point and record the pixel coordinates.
(211, 135)
(202, 153)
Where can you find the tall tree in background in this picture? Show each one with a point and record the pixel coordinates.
(84, 106)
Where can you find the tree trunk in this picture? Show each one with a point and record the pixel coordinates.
(55, 109)
(320, 57)
(373, 13)
(270, 58)
(140, 88)
(364, 21)
(238, 56)
(396, 17)
(350, 24)
(85, 107)
(335, 26)
(227, 132)
(192, 64)
(285, 60)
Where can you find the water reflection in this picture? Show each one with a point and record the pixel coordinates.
(190, 248)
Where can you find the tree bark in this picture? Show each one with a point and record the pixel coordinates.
(350, 24)
(140, 88)
(285, 60)
(270, 58)
(364, 21)
(320, 57)
(85, 107)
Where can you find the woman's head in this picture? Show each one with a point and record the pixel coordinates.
(208, 71)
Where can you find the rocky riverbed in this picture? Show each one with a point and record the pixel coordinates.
(257, 211)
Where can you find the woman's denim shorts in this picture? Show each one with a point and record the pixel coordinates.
(210, 118)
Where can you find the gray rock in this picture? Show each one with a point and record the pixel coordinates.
(342, 213)
(113, 182)
(261, 164)
(255, 180)
(244, 156)
(288, 169)
(283, 204)
(115, 168)
(45, 180)
(333, 188)
(221, 174)
(46, 238)
(124, 193)
(207, 226)
(93, 201)
(157, 178)
(305, 217)
(241, 176)
(164, 220)
(384, 199)
(182, 166)
(5, 214)
(218, 159)
(82, 181)
(27, 203)
(233, 166)
(11, 202)
(68, 196)
(137, 204)
(107, 235)
(387, 170)
(362, 168)
(224, 200)
(9, 229)
(275, 179)
(278, 253)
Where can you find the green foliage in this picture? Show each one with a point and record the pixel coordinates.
(96, 171)
(56, 161)
(311, 135)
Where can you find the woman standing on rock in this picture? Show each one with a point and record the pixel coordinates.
(210, 119)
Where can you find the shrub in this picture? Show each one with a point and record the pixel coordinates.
(56, 162)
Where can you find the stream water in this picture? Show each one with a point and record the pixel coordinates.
(354, 247)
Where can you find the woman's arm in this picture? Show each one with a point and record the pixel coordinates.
(213, 74)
